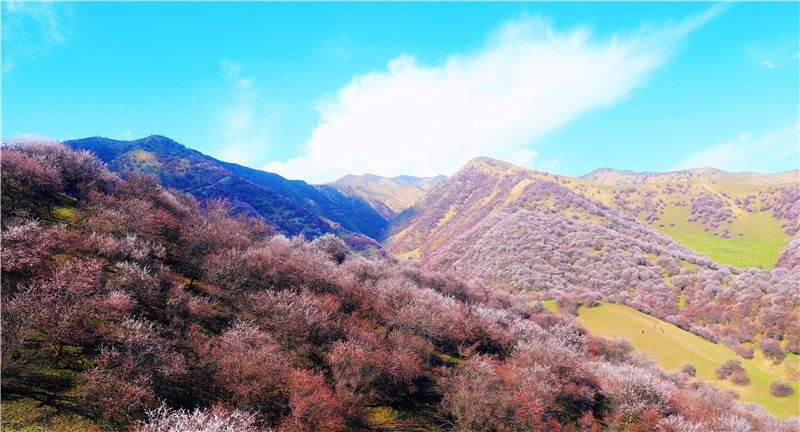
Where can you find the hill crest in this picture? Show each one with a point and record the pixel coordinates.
(617, 177)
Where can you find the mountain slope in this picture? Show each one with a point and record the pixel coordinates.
(485, 185)
(294, 207)
(509, 227)
(141, 311)
(388, 196)
(744, 219)
(350, 212)
(739, 224)
(672, 347)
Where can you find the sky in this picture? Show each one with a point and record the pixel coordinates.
(315, 91)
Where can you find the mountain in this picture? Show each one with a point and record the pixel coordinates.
(743, 224)
(293, 206)
(423, 183)
(610, 176)
(485, 186)
(526, 231)
(128, 306)
(387, 196)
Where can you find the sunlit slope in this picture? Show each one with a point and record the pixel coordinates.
(744, 224)
(610, 176)
(707, 217)
(388, 196)
(673, 347)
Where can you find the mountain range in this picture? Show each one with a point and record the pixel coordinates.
(744, 219)
(402, 303)
(292, 206)
(637, 239)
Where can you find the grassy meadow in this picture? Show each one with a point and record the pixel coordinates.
(673, 347)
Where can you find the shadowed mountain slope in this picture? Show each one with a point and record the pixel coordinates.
(293, 206)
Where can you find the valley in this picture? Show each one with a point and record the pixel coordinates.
(399, 216)
(671, 245)
(387, 298)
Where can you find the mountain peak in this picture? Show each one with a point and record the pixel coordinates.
(485, 162)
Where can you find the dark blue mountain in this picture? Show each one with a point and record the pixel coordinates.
(293, 206)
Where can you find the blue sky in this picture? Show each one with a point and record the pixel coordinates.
(318, 90)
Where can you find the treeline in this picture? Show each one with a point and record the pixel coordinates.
(143, 309)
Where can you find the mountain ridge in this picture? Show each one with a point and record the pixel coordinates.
(618, 177)
(740, 224)
(293, 206)
(389, 196)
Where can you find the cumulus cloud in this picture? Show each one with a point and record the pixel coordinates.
(30, 29)
(528, 79)
(746, 154)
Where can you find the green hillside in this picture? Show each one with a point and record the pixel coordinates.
(756, 236)
(672, 347)
(761, 242)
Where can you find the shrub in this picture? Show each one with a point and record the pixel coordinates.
(567, 305)
(634, 390)
(251, 369)
(780, 388)
(214, 419)
(772, 349)
(333, 246)
(475, 395)
(740, 378)
(728, 368)
(688, 369)
(26, 183)
(313, 405)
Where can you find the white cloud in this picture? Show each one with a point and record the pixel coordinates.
(768, 64)
(528, 79)
(30, 29)
(243, 135)
(743, 154)
(524, 158)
